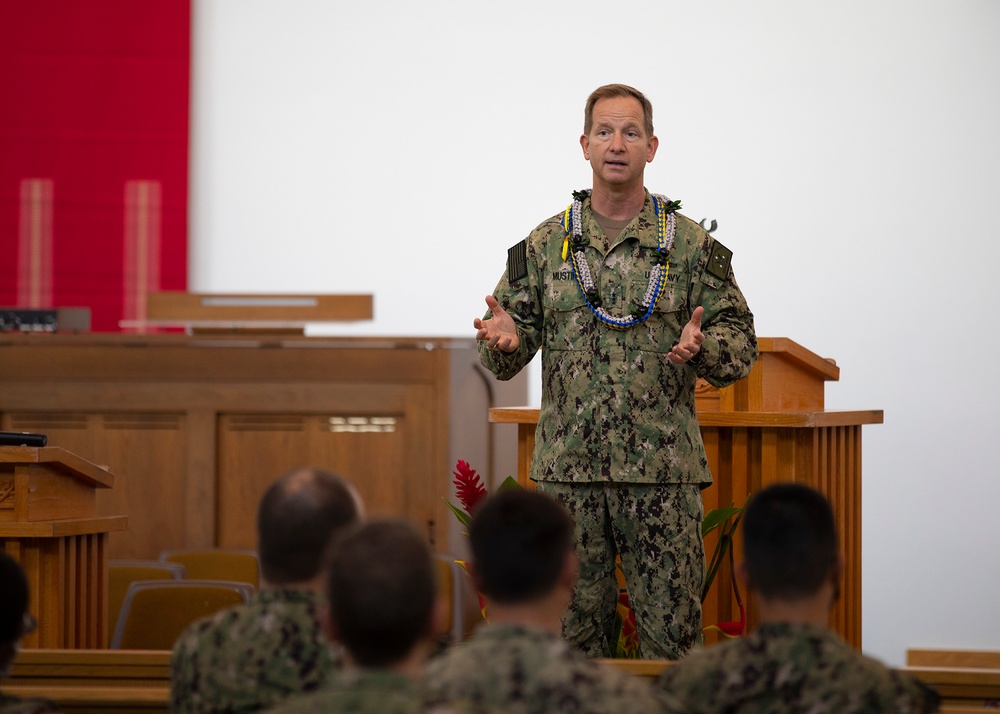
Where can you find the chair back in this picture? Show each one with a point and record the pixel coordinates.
(461, 613)
(122, 573)
(156, 612)
(445, 566)
(217, 564)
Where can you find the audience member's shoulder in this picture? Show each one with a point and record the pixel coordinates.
(276, 607)
(208, 629)
(330, 700)
(702, 662)
(514, 668)
(15, 705)
(895, 689)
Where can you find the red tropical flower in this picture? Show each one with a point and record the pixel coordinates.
(468, 487)
(733, 629)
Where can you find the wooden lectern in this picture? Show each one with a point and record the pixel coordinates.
(770, 426)
(48, 524)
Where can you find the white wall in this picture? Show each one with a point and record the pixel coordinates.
(849, 151)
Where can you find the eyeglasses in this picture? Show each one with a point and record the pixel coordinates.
(28, 624)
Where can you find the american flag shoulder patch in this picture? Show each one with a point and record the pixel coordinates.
(517, 262)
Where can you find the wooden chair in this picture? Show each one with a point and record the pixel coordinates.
(156, 612)
(122, 573)
(217, 564)
(461, 606)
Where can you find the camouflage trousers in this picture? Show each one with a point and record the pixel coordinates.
(656, 529)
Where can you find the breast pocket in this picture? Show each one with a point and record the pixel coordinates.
(660, 332)
(568, 320)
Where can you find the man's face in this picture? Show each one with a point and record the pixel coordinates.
(617, 146)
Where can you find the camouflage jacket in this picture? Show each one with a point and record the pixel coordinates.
(790, 668)
(250, 657)
(368, 691)
(614, 409)
(523, 670)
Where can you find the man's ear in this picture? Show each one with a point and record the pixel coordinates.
(470, 568)
(837, 575)
(651, 148)
(585, 145)
(743, 573)
(438, 621)
(326, 623)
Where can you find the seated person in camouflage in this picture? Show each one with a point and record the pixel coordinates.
(15, 623)
(524, 564)
(793, 662)
(381, 590)
(253, 656)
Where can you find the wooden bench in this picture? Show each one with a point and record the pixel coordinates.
(125, 681)
(967, 680)
(93, 681)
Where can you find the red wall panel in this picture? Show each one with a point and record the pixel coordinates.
(94, 108)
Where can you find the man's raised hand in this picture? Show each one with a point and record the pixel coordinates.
(499, 332)
(689, 345)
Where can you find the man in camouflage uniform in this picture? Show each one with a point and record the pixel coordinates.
(524, 563)
(250, 657)
(793, 662)
(381, 594)
(630, 302)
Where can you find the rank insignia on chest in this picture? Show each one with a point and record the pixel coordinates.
(719, 260)
(517, 262)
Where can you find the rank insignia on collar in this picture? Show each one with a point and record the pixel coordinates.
(719, 260)
(517, 262)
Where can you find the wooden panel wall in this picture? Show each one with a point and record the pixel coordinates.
(139, 447)
(195, 429)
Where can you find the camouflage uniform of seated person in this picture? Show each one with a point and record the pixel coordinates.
(793, 662)
(253, 656)
(381, 590)
(524, 563)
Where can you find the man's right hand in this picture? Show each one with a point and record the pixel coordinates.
(499, 332)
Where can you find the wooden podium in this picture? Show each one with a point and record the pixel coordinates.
(769, 427)
(48, 523)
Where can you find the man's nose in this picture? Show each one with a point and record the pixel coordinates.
(617, 142)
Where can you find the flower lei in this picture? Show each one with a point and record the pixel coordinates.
(666, 229)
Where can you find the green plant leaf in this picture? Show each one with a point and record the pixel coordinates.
(729, 519)
(617, 651)
(461, 515)
(716, 517)
(509, 482)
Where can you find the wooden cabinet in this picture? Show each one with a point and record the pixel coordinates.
(195, 428)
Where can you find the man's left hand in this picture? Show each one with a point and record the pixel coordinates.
(691, 338)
